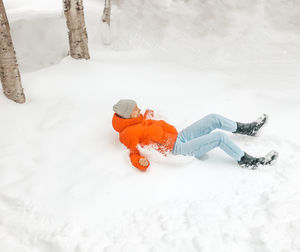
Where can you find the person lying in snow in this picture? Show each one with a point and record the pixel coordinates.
(195, 140)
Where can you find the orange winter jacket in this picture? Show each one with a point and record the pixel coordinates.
(134, 131)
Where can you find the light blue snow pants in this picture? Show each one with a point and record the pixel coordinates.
(196, 140)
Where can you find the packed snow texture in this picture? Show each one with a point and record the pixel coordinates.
(66, 182)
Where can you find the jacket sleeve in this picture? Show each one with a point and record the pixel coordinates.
(131, 143)
(135, 157)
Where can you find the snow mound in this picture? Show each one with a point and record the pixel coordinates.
(40, 38)
(210, 31)
(190, 31)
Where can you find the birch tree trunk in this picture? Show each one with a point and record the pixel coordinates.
(78, 39)
(9, 70)
(106, 35)
(106, 12)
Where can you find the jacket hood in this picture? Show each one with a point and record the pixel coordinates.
(119, 123)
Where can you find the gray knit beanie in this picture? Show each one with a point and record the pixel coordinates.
(124, 108)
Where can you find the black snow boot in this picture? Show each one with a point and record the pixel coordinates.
(251, 129)
(253, 162)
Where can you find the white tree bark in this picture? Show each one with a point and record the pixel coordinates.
(78, 39)
(106, 35)
(9, 70)
(106, 12)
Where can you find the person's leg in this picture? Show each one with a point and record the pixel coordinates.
(197, 147)
(205, 126)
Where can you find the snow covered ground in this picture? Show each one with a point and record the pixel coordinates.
(66, 183)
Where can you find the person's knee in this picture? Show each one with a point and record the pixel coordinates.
(220, 137)
(210, 117)
(214, 118)
(214, 115)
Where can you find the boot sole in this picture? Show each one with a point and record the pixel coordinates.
(273, 154)
(259, 131)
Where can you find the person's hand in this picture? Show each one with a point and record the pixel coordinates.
(149, 114)
(143, 162)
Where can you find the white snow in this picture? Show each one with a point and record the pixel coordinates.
(66, 182)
